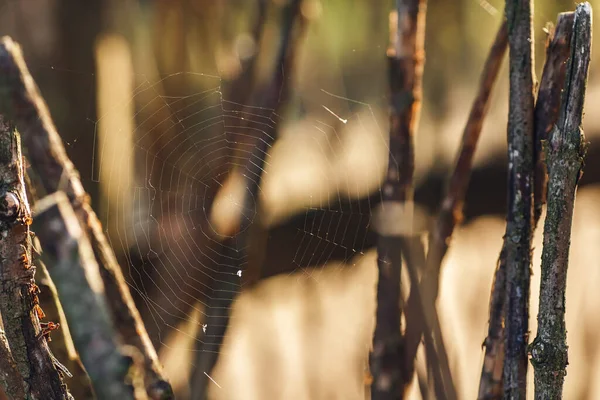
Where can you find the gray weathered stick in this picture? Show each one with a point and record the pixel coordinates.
(20, 100)
(520, 195)
(71, 264)
(565, 151)
(546, 114)
(18, 292)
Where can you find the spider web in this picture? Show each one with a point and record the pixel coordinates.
(184, 146)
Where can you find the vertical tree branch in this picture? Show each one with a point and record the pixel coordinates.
(520, 199)
(564, 154)
(71, 264)
(18, 292)
(451, 207)
(20, 99)
(405, 66)
(546, 114)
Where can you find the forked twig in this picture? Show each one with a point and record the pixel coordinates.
(546, 114)
(21, 101)
(565, 151)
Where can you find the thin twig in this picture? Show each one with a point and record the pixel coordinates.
(520, 199)
(10, 378)
(546, 114)
(272, 95)
(20, 99)
(435, 349)
(451, 207)
(564, 156)
(405, 67)
(71, 264)
(19, 306)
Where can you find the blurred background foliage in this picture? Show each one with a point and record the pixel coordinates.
(79, 51)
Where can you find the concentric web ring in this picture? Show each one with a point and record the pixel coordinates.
(183, 149)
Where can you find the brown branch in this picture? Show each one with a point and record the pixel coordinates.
(71, 264)
(490, 383)
(20, 99)
(19, 306)
(564, 154)
(10, 378)
(546, 114)
(451, 207)
(271, 96)
(520, 199)
(435, 349)
(405, 67)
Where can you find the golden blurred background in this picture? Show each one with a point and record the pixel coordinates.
(135, 88)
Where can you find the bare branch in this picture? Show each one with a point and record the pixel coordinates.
(405, 67)
(272, 95)
(564, 154)
(70, 260)
(19, 306)
(546, 114)
(519, 220)
(20, 100)
(451, 207)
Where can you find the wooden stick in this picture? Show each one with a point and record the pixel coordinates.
(546, 114)
(20, 99)
(71, 263)
(405, 67)
(273, 96)
(451, 207)
(520, 199)
(19, 306)
(564, 154)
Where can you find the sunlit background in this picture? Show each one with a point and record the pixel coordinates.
(112, 71)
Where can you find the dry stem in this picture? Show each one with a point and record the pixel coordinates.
(546, 114)
(564, 154)
(451, 207)
(519, 220)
